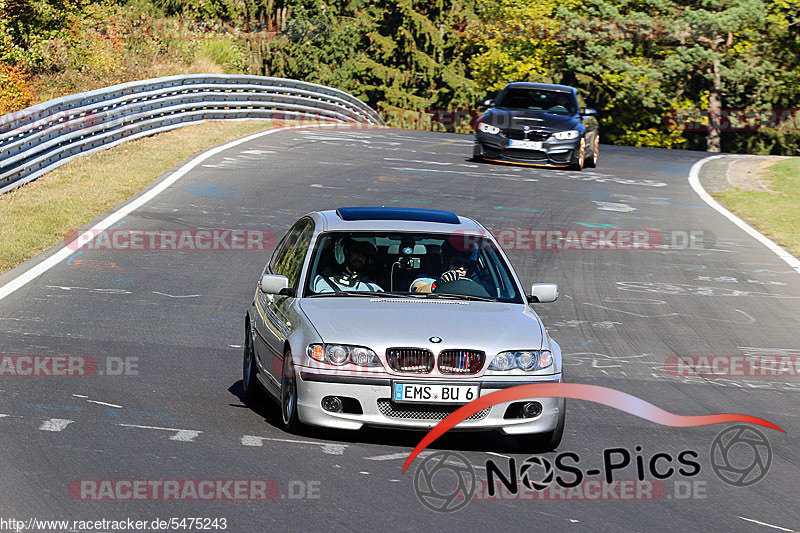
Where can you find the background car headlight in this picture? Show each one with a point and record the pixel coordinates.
(488, 128)
(528, 360)
(342, 354)
(565, 135)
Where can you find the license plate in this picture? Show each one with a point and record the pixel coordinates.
(434, 393)
(525, 145)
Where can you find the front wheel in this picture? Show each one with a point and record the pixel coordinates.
(291, 422)
(545, 442)
(252, 388)
(579, 159)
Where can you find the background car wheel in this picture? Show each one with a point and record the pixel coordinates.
(252, 388)
(592, 161)
(291, 422)
(579, 158)
(545, 442)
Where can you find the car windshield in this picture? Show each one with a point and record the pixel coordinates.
(557, 102)
(409, 265)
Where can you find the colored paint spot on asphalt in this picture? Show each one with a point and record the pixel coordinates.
(208, 191)
(591, 225)
(525, 209)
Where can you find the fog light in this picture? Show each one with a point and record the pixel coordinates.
(531, 409)
(332, 404)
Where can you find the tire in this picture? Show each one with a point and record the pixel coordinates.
(579, 160)
(289, 418)
(253, 393)
(592, 161)
(545, 442)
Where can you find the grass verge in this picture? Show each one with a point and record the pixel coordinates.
(776, 215)
(38, 215)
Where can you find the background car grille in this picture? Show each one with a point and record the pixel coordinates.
(410, 360)
(422, 411)
(520, 135)
(461, 361)
(524, 154)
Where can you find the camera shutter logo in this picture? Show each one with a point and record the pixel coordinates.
(734, 463)
(548, 473)
(445, 482)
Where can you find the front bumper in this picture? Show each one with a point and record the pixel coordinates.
(374, 396)
(554, 153)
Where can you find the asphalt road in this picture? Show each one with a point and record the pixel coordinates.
(177, 319)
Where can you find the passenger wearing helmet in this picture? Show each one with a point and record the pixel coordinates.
(352, 258)
(458, 264)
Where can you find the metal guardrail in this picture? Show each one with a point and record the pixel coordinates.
(38, 139)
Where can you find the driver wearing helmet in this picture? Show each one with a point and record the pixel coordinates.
(352, 258)
(459, 264)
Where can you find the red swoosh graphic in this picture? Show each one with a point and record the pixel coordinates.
(577, 391)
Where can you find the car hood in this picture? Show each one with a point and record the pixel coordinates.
(508, 118)
(381, 323)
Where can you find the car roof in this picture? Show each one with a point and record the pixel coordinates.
(550, 86)
(396, 219)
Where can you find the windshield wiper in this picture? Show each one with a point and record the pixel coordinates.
(445, 296)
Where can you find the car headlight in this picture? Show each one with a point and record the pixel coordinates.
(488, 128)
(342, 354)
(524, 360)
(566, 135)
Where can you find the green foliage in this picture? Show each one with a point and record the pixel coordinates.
(637, 61)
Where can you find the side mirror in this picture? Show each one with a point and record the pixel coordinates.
(589, 112)
(543, 293)
(274, 284)
(489, 102)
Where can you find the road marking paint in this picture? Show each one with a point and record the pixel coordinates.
(68, 288)
(182, 435)
(364, 472)
(333, 449)
(80, 396)
(235, 345)
(393, 456)
(55, 424)
(764, 524)
(694, 181)
(177, 295)
(104, 403)
(499, 455)
(320, 186)
(45, 265)
(327, 447)
(2, 415)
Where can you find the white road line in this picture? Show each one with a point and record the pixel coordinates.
(177, 295)
(694, 181)
(81, 241)
(2, 415)
(399, 455)
(55, 424)
(327, 447)
(104, 403)
(765, 524)
(182, 435)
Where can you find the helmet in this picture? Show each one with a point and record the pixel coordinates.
(346, 245)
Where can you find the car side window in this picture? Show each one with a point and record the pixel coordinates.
(292, 261)
(288, 241)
